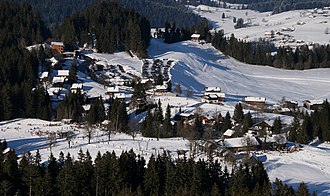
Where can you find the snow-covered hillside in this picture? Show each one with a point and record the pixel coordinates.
(309, 26)
(199, 66)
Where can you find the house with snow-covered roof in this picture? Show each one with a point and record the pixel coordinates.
(58, 46)
(112, 90)
(241, 143)
(62, 73)
(75, 87)
(313, 104)
(213, 95)
(58, 81)
(195, 37)
(255, 100)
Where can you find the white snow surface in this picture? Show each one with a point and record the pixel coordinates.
(237, 79)
(312, 29)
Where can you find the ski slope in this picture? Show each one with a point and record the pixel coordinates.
(199, 66)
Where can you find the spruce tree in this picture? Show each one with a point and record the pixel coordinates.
(277, 126)
(238, 113)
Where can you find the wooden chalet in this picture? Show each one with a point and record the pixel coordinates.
(265, 124)
(58, 46)
(111, 91)
(195, 37)
(313, 104)
(75, 87)
(273, 142)
(241, 143)
(255, 100)
(207, 120)
(58, 81)
(161, 89)
(213, 95)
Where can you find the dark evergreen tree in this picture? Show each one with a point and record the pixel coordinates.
(238, 113)
(277, 126)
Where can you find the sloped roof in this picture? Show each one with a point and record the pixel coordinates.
(229, 132)
(239, 142)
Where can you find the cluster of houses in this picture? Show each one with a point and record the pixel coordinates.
(214, 95)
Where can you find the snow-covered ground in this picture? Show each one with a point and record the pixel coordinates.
(199, 66)
(310, 165)
(307, 25)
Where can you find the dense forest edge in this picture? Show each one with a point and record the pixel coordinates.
(106, 26)
(129, 174)
(276, 6)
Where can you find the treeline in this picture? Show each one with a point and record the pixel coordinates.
(21, 96)
(108, 26)
(315, 125)
(129, 174)
(174, 34)
(260, 53)
(157, 11)
(161, 11)
(281, 6)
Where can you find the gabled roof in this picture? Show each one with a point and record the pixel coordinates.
(44, 74)
(58, 80)
(119, 96)
(255, 99)
(77, 86)
(229, 133)
(113, 89)
(57, 43)
(239, 142)
(195, 35)
(212, 89)
(161, 87)
(314, 102)
(63, 73)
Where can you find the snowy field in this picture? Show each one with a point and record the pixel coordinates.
(310, 165)
(199, 66)
(307, 25)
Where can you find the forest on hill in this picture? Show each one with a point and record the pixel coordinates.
(281, 6)
(108, 27)
(157, 11)
(21, 26)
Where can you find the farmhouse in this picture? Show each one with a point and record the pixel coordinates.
(207, 120)
(75, 87)
(255, 100)
(241, 143)
(58, 81)
(195, 37)
(111, 91)
(62, 73)
(58, 46)
(160, 89)
(213, 95)
(313, 104)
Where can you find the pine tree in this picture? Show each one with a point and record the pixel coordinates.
(238, 113)
(227, 122)
(247, 123)
(303, 190)
(277, 126)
